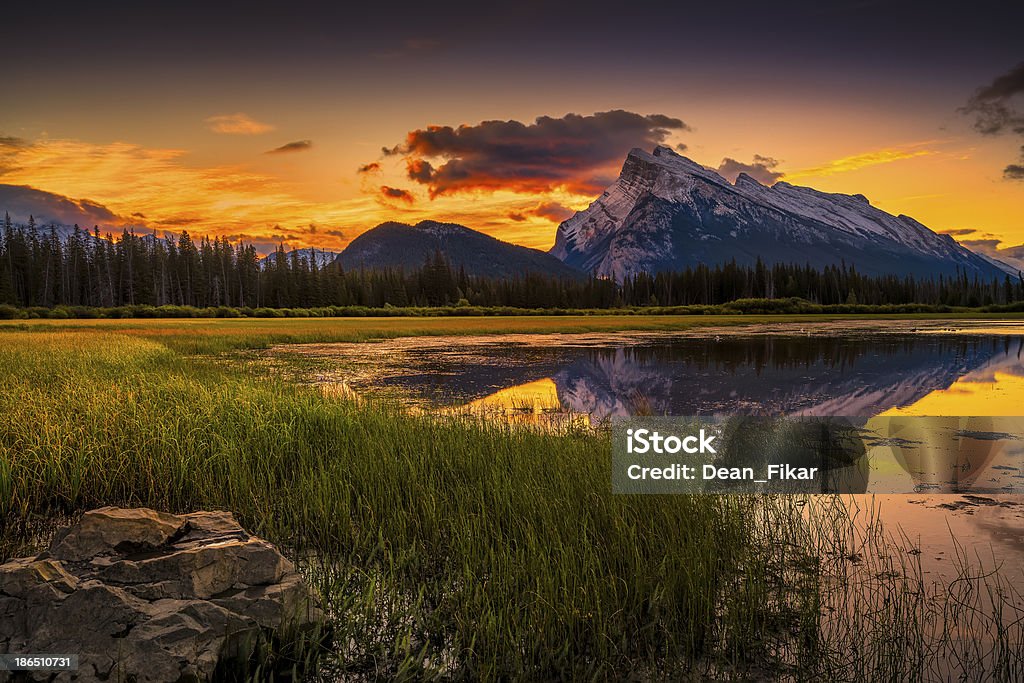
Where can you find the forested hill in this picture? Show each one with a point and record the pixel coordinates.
(40, 268)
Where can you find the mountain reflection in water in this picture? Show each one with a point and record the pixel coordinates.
(613, 375)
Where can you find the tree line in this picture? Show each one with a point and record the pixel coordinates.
(41, 268)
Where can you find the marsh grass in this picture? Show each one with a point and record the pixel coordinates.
(454, 548)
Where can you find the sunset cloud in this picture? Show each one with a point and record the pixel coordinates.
(123, 179)
(237, 124)
(21, 201)
(553, 211)
(166, 193)
(993, 105)
(1012, 255)
(959, 232)
(550, 211)
(987, 244)
(579, 154)
(397, 193)
(859, 161)
(761, 169)
(297, 146)
(996, 109)
(372, 167)
(1015, 171)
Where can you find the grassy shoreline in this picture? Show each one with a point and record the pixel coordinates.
(220, 335)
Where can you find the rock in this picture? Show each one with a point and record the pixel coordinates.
(148, 596)
(114, 528)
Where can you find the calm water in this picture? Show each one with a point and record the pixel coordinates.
(841, 369)
(851, 368)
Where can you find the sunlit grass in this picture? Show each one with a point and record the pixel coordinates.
(215, 335)
(497, 550)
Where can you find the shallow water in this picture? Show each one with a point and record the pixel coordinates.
(859, 368)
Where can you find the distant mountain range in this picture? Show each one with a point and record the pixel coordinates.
(398, 245)
(666, 212)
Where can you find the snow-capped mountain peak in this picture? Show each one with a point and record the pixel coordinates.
(667, 212)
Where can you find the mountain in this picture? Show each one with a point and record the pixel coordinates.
(319, 256)
(398, 245)
(666, 212)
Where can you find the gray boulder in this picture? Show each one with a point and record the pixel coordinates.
(151, 597)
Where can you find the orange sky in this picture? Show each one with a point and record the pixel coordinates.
(314, 197)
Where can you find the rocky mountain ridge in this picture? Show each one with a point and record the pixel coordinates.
(666, 212)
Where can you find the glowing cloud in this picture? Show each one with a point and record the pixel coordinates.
(155, 187)
(761, 169)
(397, 193)
(132, 180)
(579, 154)
(297, 146)
(237, 124)
(859, 161)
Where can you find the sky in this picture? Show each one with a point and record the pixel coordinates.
(308, 124)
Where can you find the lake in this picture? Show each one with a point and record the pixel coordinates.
(847, 368)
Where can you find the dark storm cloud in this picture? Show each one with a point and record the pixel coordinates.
(397, 193)
(22, 201)
(372, 167)
(762, 169)
(297, 146)
(996, 110)
(573, 152)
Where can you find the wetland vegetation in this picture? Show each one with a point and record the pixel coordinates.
(455, 548)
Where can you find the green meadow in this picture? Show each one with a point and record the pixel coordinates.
(449, 548)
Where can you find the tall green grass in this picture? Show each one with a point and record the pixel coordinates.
(439, 547)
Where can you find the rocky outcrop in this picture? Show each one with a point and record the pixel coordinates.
(147, 596)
